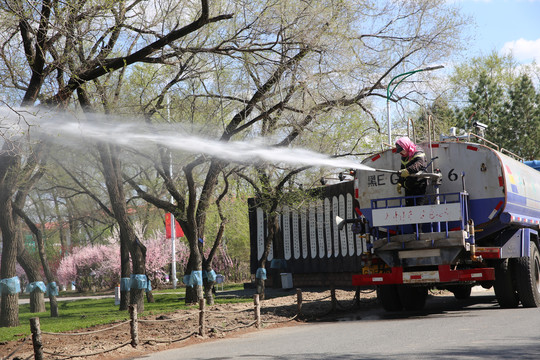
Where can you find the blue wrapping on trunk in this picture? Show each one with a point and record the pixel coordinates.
(125, 284)
(36, 286)
(211, 275)
(138, 281)
(52, 289)
(10, 286)
(196, 278)
(261, 273)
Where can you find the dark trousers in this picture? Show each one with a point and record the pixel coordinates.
(415, 201)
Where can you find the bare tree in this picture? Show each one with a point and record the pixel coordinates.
(285, 67)
(44, 263)
(281, 65)
(66, 46)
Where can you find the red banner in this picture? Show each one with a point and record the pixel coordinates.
(178, 230)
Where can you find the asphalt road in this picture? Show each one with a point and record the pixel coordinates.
(446, 329)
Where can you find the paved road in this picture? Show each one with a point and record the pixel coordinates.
(446, 329)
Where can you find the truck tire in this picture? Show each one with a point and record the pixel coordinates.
(528, 278)
(413, 297)
(389, 298)
(505, 290)
(461, 292)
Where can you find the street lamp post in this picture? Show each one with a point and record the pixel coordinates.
(390, 92)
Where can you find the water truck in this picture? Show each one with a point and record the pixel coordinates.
(478, 225)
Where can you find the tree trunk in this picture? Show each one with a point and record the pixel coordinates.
(46, 269)
(37, 302)
(54, 305)
(124, 300)
(195, 292)
(28, 263)
(63, 244)
(9, 308)
(138, 258)
(259, 283)
(207, 263)
(32, 269)
(125, 272)
(112, 171)
(191, 295)
(150, 297)
(273, 225)
(113, 180)
(37, 298)
(208, 294)
(137, 298)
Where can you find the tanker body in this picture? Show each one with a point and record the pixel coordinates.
(479, 226)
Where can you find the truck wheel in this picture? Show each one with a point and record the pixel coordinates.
(389, 298)
(461, 292)
(413, 297)
(505, 291)
(528, 278)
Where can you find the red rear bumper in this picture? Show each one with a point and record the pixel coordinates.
(443, 275)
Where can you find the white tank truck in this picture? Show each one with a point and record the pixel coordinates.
(479, 226)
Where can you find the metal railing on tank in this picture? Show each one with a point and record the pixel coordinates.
(430, 207)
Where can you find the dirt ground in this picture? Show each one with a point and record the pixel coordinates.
(158, 333)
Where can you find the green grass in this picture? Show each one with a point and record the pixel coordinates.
(84, 313)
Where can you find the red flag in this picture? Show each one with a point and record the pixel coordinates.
(178, 230)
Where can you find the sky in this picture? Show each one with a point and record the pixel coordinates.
(505, 25)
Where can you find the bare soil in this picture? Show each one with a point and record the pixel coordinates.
(181, 328)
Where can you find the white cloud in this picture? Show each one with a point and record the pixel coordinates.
(523, 50)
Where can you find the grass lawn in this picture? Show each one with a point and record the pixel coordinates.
(83, 313)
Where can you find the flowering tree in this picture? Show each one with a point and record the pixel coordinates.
(158, 251)
(88, 266)
(99, 265)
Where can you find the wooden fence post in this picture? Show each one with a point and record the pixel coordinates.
(299, 301)
(257, 311)
(201, 318)
(134, 325)
(36, 338)
(333, 298)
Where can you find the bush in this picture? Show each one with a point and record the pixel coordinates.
(91, 266)
(98, 266)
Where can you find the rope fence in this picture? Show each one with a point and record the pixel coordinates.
(86, 333)
(187, 316)
(207, 321)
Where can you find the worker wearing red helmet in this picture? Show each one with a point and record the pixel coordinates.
(413, 160)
